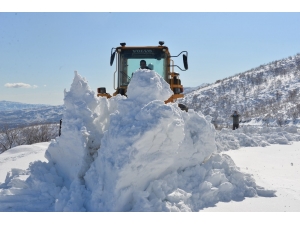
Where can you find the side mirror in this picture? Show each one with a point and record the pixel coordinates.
(185, 63)
(112, 58)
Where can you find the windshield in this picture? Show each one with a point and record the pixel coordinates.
(130, 62)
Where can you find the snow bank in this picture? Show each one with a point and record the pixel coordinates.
(254, 136)
(146, 140)
(132, 154)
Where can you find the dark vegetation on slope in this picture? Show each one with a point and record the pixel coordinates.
(268, 93)
(27, 135)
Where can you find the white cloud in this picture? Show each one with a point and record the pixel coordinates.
(19, 85)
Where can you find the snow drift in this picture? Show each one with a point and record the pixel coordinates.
(132, 153)
(254, 136)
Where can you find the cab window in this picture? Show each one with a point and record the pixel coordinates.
(130, 63)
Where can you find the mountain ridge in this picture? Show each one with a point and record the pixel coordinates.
(34, 114)
(269, 92)
(11, 105)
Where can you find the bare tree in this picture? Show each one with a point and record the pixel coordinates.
(292, 94)
(38, 133)
(280, 119)
(9, 137)
(267, 119)
(278, 95)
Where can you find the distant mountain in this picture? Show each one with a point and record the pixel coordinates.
(7, 106)
(270, 92)
(14, 114)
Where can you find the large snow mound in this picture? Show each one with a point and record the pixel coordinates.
(132, 153)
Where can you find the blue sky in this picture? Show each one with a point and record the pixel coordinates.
(43, 49)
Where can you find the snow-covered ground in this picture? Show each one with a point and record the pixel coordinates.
(139, 154)
(19, 157)
(275, 167)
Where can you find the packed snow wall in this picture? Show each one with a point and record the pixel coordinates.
(119, 145)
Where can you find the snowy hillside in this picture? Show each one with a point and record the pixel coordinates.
(28, 115)
(190, 89)
(268, 93)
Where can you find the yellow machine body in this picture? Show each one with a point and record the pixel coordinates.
(158, 58)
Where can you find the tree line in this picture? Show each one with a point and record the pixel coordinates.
(11, 137)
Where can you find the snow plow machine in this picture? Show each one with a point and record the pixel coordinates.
(158, 58)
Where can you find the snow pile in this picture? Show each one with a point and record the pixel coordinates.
(254, 136)
(129, 154)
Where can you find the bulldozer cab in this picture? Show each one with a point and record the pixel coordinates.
(129, 62)
(157, 58)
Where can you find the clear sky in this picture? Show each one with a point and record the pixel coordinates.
(42, 48)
